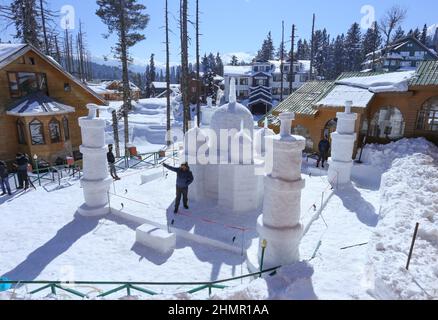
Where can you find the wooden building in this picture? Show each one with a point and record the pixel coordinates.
(40, 104)
(384, 115)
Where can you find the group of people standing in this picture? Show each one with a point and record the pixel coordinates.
(21, 165)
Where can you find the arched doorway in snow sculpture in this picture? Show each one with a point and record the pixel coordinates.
(387, 123)
(427, 119)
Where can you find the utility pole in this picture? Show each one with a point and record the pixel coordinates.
(312, 49)
(281, 61)
(292, 56)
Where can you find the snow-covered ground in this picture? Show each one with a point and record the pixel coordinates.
(355, 244)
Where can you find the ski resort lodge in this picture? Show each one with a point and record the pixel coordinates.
(39, 105)
(390, 106)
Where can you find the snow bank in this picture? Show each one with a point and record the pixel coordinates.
(290, 283)
(388, 82)
(408, 195)
(382, 156)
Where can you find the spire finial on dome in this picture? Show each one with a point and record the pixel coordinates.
(266, 122)
(233, 96)
(195, 125)
(242, 126)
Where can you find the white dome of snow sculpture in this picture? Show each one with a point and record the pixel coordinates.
(193, 140)
(244, 143)
(259, 139)
(230, 116)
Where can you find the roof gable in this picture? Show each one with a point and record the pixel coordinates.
(21, 49)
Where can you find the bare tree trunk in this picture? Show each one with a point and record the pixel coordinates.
(198, 79)
(58, 52)
(116, 133)
(168, 138)
(125, 76)
(43, 21)
(281, 61)
(312, 49)
(185, 64)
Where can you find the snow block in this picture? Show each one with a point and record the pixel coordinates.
(156, 238)
(146, 178)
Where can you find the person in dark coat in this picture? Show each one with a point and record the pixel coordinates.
(184, 178)
(112, 162)
(22, 163)
(324, 149)
(4, 179)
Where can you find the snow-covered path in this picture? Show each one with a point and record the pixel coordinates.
(348, 220)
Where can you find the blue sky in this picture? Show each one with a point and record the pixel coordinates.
(239, 26)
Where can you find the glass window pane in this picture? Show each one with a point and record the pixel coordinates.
(388, 123)
(54, 131)
(37, 132)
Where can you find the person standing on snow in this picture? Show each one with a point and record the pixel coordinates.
(22, 163)
(184, 178)
(112, 162)
(4, 179)
(324, 148)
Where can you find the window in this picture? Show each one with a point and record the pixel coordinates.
(24, 83)
(66, 129)
(243, 94)
(55, 131)
(32, 61)
(277, 77)
(21, 133)
(243, 81)
(36, 129)
(428, 116)
(256, 69)
(286, 69)
(387, 123)
(67, 87)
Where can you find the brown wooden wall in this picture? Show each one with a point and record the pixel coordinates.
(409, 104)
(77, 97)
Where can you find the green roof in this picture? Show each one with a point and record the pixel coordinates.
(357, 74)
(303, 100)
(427, 74)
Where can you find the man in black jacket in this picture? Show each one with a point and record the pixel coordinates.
(4, 179)
(184, 178)
(112, 162)
(22, 163)
(324, 148)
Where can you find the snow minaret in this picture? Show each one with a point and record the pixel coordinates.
(280, 224)
(343, 140)
(95, 181)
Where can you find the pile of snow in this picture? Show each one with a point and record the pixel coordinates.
(387, 82)
(382, 156)
(292, 282)
(408, 195)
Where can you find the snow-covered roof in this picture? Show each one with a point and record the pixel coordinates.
(237, 70)
(341, 93)
(163, 85)
(38, 104)
(8, 50)
(386, 82)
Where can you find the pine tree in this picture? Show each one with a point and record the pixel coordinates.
(423, 37)
(267, 52)
(303, 50)
(415, 33)
(219, 66)
(321, 48)
(371, 42)
(353, 48)
(124, 18)
(339, 53)
(281, 49)
(234, 61)
(205, 63)
(24, 14)
(399, 34)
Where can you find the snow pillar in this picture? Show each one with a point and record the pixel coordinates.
(341, 162)
(280, 224)
(95, 180)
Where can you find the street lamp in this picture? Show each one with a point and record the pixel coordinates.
(35, 158)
